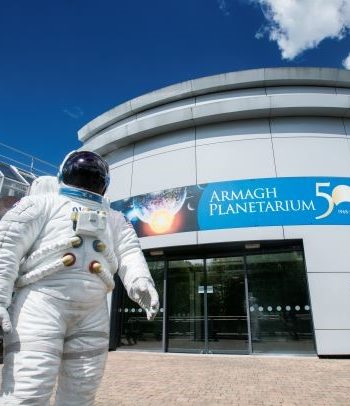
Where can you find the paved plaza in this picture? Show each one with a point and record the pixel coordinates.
(141, 378)
(146, 378)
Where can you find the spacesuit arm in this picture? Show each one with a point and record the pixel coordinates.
(132, 263)
(19, 228)
(133, 268)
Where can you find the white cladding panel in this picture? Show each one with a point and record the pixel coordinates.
(332, 342)
(165, 143)
(299, 90)
(347, 125)
(307, 127)
(166, 108)
(240, 234)
(315, 102)
(312, 156)
(230, 94)
(233, 131)
(170, 240)
(235, 160)
(330, 300)
(164, 171)
(120, 184)
(121, 156)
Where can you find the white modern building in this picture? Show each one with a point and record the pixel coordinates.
(239, 188)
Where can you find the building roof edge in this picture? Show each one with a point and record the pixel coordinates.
(263, 77)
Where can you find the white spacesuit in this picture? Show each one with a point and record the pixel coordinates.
(44, 185)
(59, 252)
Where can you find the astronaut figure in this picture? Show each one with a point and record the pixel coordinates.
(58, 253)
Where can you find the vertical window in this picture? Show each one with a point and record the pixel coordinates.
(136, 331)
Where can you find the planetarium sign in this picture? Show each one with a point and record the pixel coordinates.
(240, 203)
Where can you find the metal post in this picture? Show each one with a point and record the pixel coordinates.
(250, 346)
(165, 309)
(205, 297)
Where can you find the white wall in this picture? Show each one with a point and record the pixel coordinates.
(261, 148)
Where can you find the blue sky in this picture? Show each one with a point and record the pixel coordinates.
(64, 62)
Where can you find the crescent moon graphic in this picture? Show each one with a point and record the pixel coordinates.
(190, 208)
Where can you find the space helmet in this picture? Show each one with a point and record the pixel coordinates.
(85, 170)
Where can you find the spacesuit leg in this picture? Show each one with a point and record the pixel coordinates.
(33, 349)
(84, 357)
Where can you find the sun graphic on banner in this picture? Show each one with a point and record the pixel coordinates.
(161, 221)
(159, 211)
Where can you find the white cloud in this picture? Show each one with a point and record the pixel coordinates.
(346, 62)
(74, 112)
(223, 7)
(297, 25)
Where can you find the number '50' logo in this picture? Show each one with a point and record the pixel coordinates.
(340, 194)
(325, 196)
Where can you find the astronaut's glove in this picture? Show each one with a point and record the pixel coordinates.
(145, 295)
(5, 321)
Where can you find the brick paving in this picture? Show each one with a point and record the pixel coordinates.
(145, 378)
(141, 378)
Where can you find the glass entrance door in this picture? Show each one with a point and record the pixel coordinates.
(207, 309)
(226, 305)
(186, 327)
(249, 302)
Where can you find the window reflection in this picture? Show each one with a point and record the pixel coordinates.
(280, 316)
(136, 331)
(185, 305)
(227, 316)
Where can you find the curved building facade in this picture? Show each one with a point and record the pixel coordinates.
(238, 186)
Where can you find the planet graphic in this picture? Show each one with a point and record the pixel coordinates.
(158, 209)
